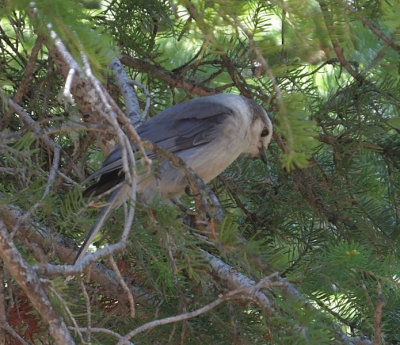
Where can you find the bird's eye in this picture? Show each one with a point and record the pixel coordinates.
(265, 132)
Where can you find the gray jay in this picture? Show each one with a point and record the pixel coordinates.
(207, 133)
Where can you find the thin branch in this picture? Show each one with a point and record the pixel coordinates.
(389, 41)
(6, 326)
(367, 297)
(88, 309)
(26, 79)
(124, 286)
(55, 148)
(148, 98)
(170, 78)
(111, 113)
(101, 330)
(237, 293)
(335, 44)
(67, 87)
(3, 318)
(192, 61)
(67, 310)
(17, 56)
(27, 119)
(235, 76)
(378, 316)
(53, 171)
(263, 61)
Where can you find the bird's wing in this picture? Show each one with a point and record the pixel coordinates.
(185, 125)
(180, 127)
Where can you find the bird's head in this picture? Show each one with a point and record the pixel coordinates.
(261, 130)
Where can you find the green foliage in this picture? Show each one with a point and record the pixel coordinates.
(324, 212)
(227, 232)
(142, 22)
(389, 11)
(72, 23)
(305, 323)
(349, 277)
(298, 130)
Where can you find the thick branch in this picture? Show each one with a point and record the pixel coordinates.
(131, 101)
(30, 283)
(66, 251)
(232, 279)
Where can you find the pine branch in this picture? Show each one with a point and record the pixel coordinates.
(170, 78)
(31, 284)
(26, 79)
(338, 50)
(245, 291)
(389, 41)
(66, 251)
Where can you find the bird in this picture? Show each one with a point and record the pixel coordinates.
(207, 133)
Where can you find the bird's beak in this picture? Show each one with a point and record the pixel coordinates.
(263, 154)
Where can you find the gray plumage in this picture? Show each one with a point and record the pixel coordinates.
(208, 133)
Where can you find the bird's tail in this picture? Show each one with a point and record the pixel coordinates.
(101, 218)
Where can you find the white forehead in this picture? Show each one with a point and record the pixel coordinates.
(247, 108)
(266, 119)
(232, 101)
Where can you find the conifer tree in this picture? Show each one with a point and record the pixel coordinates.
(302, 250)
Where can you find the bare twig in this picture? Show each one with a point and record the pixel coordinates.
(128, 159)
(111, 113)
(53, 171)
(88, 309)
(124, 286)
(67, 87)
(44, 136)
(27, 119)
(367, 297)
(101, 330)
(148, 98)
